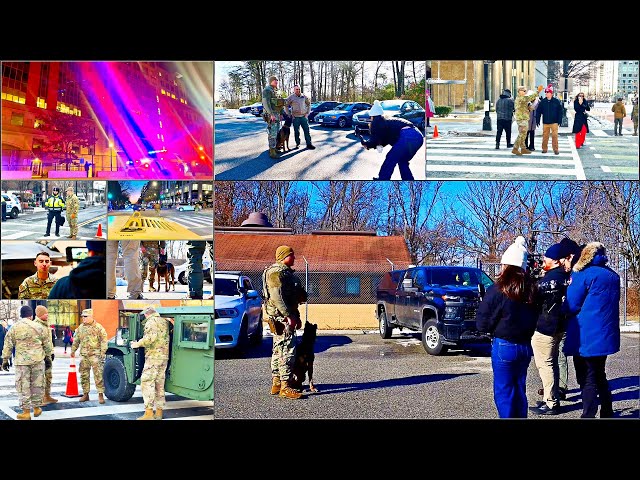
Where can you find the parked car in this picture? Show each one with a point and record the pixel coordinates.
(319, 107)
(440, 302)
(407, 109)
(82, 200)
(182, 273)
(238, 311)
(185, 207)
(342, 114)
(247, 108)
(256, 109)
(13, 205)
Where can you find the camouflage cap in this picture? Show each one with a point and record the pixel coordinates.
(149, 310)
(41, 310)
(87, 312)
(69, 188)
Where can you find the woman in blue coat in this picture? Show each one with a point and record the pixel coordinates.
(593, 332)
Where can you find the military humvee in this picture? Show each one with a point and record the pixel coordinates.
(191, 346)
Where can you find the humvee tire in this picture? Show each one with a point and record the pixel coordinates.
(116, 386)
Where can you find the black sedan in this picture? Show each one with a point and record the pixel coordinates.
(407, 109)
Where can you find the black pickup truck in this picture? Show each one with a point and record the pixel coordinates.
(440, 302)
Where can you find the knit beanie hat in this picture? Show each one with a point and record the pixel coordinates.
(40, 310)
(26, 311)
(516, 254)
(554, 252)
(282, 252)
(376, 109)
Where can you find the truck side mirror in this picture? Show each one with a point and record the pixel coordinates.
(252, 294)
(407, 283)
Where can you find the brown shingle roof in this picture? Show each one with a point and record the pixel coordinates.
(333, 251)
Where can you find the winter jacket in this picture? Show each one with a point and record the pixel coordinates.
(386, 131)
(505, 318)
(619, 110)
(580, 118)
(550, 110)
(87, 280)
(593, 306)
(505, 108)
(552, 288)
(532, 114)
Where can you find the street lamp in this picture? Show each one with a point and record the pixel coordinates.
(565, 74)
(486, 121)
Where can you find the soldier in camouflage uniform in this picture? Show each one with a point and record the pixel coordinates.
(155, 341)
(33, 352)
(42, 317)
(92, 338)
(38, 285)
(522, 118)
(271, 114)
(149, 252)
(283, 292)
(73, 205)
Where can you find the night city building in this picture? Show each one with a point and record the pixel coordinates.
(132, 119)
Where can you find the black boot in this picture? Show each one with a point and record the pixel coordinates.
(497, 145)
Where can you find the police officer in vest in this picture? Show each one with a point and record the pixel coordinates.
(54, 205)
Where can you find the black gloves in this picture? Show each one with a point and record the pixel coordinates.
(5, 364)
(47, 362)
(52, 356)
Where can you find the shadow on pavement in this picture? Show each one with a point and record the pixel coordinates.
(329, 388)
(263, 350)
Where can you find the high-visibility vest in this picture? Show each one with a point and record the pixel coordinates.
(54, 203)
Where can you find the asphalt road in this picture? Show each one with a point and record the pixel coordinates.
(199, 225)
(365, 377)
(241, 153)
(32, 226)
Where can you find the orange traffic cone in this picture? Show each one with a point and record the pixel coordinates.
(99, 232)
(72, 382)
(435, 131)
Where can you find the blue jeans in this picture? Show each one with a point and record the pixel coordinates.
(403, 150)
(510, 362)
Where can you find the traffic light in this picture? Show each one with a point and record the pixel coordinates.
(110, 196)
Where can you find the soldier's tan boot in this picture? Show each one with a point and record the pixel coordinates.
(148, 414)
(515, 151)
(47, 399)
(273, 153)
(100, 398)
(25, 415)
(37, 411)
(525, 150)
(287, 392)
(84, 398)
(275, 385)
(158, 414)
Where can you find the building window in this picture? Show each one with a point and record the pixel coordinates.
(352, 286)
(15, 76)
(17, 119)
(68, 86)
(63, 312)
(41, 103)
(43, 87)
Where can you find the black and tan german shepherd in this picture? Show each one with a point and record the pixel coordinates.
(284, 133)
(167, 271)
(304, 358)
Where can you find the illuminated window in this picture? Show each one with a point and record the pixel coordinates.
(158, 136)
(160, 74)
(162, 91)
(17, 119)
(182, 100)
(15, 76)
(160, 122)
(158, 110)
(173, 95)
(157, 99)
(68, 84)
(41, 102)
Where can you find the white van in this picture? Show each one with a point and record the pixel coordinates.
(13, 205)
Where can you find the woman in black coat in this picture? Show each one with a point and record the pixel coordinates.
(580, 125)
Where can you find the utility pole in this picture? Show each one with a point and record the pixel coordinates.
(565, 93)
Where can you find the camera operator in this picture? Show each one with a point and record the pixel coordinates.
(551, 326)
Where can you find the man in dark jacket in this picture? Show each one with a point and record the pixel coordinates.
(550, 109)
(88, 279)
(404, 137)
(504, 112)
(593, 330)
(550, 327)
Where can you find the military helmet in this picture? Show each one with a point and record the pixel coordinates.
(55, 190)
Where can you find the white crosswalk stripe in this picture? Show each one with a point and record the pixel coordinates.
(190, 222)
(474, 156)
(18, 235)
(176, 408)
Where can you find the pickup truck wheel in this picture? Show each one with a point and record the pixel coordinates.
(386, 330)
(431, 338)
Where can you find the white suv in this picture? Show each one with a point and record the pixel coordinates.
(13, 205)
(238, 311)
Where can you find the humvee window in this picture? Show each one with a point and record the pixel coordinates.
(195, 332)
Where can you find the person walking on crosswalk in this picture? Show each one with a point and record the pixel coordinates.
(550, 109)
(91, 338)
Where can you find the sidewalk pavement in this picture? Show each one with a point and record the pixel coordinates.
(470, 125)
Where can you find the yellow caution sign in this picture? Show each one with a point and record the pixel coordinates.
(139, 227)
